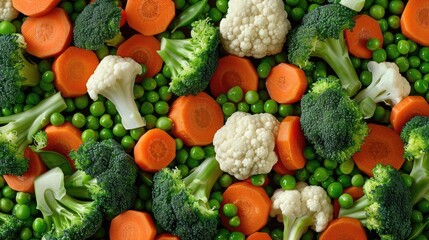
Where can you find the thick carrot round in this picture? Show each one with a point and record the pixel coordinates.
(280, 169)
(34, 8)
(290, 143)
(409, 107)
(132, 224)
(253, 206)
(63, 139)
(154, 150)
(47, 35)
(344, 228)
(355, 192)
(259, 236)
(72, 70)
(196, 118)
(25, 182)
(150, 17)
(286, 83)
(365, 28)
(415, 21)
(382, 145)
(233, 71)
(143, 49)
(166, 236)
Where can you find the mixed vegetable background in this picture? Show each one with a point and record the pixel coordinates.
(214, 119)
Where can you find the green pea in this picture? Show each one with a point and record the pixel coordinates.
(6, 27)
(92, 122)
(235, 94)
(424, 53)
(119, 130)
(106, 121)
(312, 165)
(8, 192)
(424, 67)
(216, 195)
(416, 216)
(237, 236)
(184, 170)
(57, 119)
(388, 38)
(379, 55)
(392, 51)
(257, 107)
(161, 107)
(88, 135)
(222, 98)
(396, 7)
(423, 206)
(225, 180)
(346, 167)
(148, 84)
(376, 11)
(402, 63)
(215, 14)
(136, 133)
(345, 180)
(102, 52)
(209, 151)
(22, 212)
(403, 47)
(373, 44)
(325, 184)
(234, 221)
(384, 25)
(379, 113)
(270, 106)
(6, 205)
(128, 142)
(394, 21)
(258, 180)
(421, 86)
(152, 96)
(229, 108)
(222, 5)
(39, 225)
(25, 233)
(345, 200)
(309, 152)
(302, 174)
(197, 152)
(320, 174)
(23, 198)
(330, 164)
(182, 155)
(297, 14)
(164, 93)
(106, 133)
(243, 107)
(414, 61)
(277, 234)
(32, 98)
(358, 180)
(147, 108)
(78, 120)
(287, 182)
(285, 110)
(365, 77)
(335, 190)
(251, 97)
(263, 69)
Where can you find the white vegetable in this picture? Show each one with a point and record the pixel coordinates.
(53, 181)
(244, 146)
(355, 5)
(7, 11)
(114, 79)
(254, 28)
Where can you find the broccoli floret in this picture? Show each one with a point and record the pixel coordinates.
(321, 35)
(67, 218)
(386, 205)
(98, 24)
(16, 69)
(105, 173)
(18, 131)
(180, 205)
(340, 129)
(191, 61)
(415, 136)
(10, 226)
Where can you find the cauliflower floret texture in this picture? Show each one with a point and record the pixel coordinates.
(7, 11)
(244, 146)
(254, 28)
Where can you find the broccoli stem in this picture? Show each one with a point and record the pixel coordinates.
(30, 73)
(176, 53)
(202, 178)
(116, 40)
(420, 175)
(357, 210)
(60, 215)
(75, 185)
(334, 52)
(294, 228)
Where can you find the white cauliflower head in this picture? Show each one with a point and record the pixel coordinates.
(244, 146)
(254, 28)
(7, 11)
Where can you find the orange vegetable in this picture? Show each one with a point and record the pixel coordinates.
(280, 169)
(355, 192)
(233, 71)
(253, 206)
(72, 70)
(25, 182)
(344, 228)
(365, 28)
(143, 49)
(290, 143)
(150, 17)
(409, 107)
(47, 35)
(132, 224)
(63, 139)
(415, 21)
(286, 83)
(154, 150)
(382, 145)
(34, 8)
(259, 236)
(196, 118)
(166, 236)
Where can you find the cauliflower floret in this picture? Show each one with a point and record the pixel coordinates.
(244, 146)
(254, 28)
(114, 79)
(7, 11)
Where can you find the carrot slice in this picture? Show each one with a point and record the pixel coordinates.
(63, 139)
(154, 150)
(196, 118)
(382, 145)
(259, 236)
(233, 71)
(290, 143)
(34, 8)
(72, 70)
(166, 236)
(253, 206)
(150, 17)
(355, 192)
(286, 83)
(47, 35)
(25, 182)
(415, 21)
(409, 107)
(365, 28)
(280, 169)
(143, 49)
(132, 224)
(344, 228)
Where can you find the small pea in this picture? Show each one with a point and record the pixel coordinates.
(230, 210)
(345, 200)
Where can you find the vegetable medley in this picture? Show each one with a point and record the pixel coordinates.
(214, 119)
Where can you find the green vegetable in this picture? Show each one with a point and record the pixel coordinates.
(10, 226)
(386, 206)
(321, 35)
(18, 132)
(191, 61)
(16, 69)
(190, 14)
(181, 206)
(98, 24)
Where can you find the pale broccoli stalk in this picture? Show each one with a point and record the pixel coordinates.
(114, 79)
(388, 86)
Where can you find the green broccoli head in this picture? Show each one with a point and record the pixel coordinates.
(413, 123)
(181, 207)
(10, 226)
(98, 24)
(341, 130)
(16, 69)
(191, 61)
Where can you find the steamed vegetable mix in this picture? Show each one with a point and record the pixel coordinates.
(214, 119)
